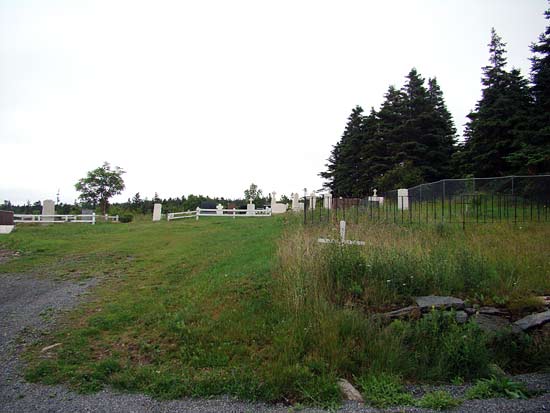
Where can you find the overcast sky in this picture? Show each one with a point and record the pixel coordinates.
(206, 97)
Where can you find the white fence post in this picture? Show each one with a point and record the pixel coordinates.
(233, 213)
(93, 218)
(198, 213)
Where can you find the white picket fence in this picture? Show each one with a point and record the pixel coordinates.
(230, 213)
(61, 219)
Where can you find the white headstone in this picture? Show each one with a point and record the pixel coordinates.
(327, 201)
(157, 212)
(219, 209)
(342, 231)
(250, 208)
(296, 202)
(312, 200)
(48, 208)
(375, 197)
(403, 199)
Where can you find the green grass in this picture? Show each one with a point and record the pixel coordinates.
(186, 309)
(438, 400)
(257, 309)
(497, 387)
(384, 390)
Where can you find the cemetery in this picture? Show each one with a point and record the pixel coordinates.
(411, 273)
(368, 278)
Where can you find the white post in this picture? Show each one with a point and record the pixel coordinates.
(116, 218)
(233, 213)
(93, 218)
(342, 231)
(157, 211)
(403, 199)
(198, 213)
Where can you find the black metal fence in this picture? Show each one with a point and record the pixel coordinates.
(459, 201)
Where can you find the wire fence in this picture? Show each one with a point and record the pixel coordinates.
(513, 199)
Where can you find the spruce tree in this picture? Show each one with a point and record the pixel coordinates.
(533, 156)
(495, 128)
(444, 132)
(343, 167)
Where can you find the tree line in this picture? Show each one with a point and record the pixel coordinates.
(412, 139)
(103, 182)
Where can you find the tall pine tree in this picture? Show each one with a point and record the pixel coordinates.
(343, 167)
(495, 128)
(533, 156)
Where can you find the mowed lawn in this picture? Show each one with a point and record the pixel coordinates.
(184, 308)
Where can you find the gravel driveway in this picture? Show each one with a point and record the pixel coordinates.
(29, 306)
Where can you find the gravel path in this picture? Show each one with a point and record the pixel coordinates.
(29, 307)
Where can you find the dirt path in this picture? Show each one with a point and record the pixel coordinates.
(29, 307)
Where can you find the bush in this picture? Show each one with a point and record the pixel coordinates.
(384, 390)
(126, 218)
(444, 349)
(438, 400)
(497, 387)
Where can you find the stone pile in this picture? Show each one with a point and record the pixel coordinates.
(489, 319)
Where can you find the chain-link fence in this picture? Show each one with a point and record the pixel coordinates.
(460, 201)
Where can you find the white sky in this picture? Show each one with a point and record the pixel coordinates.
(209, 96)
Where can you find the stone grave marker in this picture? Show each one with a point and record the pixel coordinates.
(157, 212)
(48, 208)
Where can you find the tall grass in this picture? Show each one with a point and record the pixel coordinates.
(333, 295)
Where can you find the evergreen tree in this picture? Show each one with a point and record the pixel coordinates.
(343, 168)
(389, 130)
(533, 156)
(444, 131)
(495, 128)
(375, 157)
(428, 132)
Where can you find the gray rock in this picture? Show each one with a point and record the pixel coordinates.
(403, 312)
(493, 323)
(461, 317)
(349, 392)
(427, 302)
(533, 320)
(491, 311)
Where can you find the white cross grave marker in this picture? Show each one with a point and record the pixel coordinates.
(343, 239)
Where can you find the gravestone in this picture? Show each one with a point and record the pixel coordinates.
(6, 222)
(375, 197)
(277, 208)
(250, 208)
(403, 199)
(327, 201)
(219, 209)
(48, 208)
(296, 204)
(157, 212)
(312, 200)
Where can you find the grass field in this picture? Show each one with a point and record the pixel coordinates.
(255, 308)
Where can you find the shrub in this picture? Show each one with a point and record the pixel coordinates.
(497, 387)
(384, 390)
(438, 400)
(126, 218)
(444, 349)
